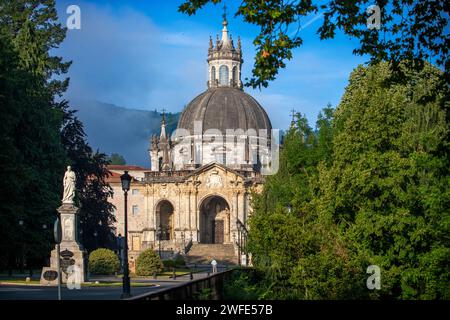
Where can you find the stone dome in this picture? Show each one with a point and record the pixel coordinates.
(224, 108)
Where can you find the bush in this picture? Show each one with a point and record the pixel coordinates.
(103, 261)
(244, 285)
(168, 264)
(179, 261)
(148, 263)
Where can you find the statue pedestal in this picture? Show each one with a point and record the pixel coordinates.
(72, 255)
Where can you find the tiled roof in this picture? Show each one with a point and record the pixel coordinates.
(126, 167)
(113, 177)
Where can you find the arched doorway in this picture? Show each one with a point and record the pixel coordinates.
(164, 220)
(214, 220)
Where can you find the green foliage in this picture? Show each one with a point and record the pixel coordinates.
(40, 136)
(31, 158)
(388, 187)
(370, 186)
(93, 191)
(148, 263)
(169, 264)
(409, 31)
(179, 261)
(116, 159)
(103, 261)
(243, 285)
(203, 294)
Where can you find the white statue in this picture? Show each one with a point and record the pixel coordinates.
(69, 186)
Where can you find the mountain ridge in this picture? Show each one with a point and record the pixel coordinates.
(116, 129)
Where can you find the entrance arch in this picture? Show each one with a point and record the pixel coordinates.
(164, 219)
(214, 220)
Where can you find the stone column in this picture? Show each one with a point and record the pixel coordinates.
(197, 216)
(241, 215)
(194, 216)
(71, 251)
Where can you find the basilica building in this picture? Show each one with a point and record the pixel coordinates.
(194, 199)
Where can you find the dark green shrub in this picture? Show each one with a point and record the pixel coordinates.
(168, 264)
(179, 261)
(103, 261)
(148, 263)
(244, 285)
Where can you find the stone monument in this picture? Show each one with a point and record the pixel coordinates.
(72, 255)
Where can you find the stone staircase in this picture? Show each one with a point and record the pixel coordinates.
(201, 253)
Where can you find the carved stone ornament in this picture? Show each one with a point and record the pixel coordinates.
(214, 180)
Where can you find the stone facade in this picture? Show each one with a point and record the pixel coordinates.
(201, 206)
(198, 188)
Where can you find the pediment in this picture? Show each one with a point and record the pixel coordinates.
(215, 175)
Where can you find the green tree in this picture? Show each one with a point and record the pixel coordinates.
(117, 159)
(388, 188)
(412, 31)
(285, 239)
(43, 135)
(96, 213)
(378, 196)
(31, 158)
(35, 30)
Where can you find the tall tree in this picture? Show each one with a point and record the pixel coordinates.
(412, 31)
(117, 159)
(33, 30)
(388, 188)
(31, 159)
(379, 196)
(96, 216)
(288, 243)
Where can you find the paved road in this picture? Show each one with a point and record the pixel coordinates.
(51, 293)
(21, 292)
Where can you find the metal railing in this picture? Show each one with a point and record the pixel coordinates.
(208, 288)
(188, 246)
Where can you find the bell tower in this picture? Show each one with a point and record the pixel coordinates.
(224, 60)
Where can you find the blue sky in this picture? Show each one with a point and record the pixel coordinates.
(146, 55)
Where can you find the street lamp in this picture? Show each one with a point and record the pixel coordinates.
(183, 239)
(126, 181)
(159, 234)
(22, 263)
(120, 250)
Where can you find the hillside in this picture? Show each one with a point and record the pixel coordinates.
(114, 129)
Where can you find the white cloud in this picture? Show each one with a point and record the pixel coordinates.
(127, 60)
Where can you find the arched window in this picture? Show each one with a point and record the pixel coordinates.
(213, 74)
(223, 76)
(235, 76)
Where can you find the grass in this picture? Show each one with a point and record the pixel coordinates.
(86, 284)
(20, 281)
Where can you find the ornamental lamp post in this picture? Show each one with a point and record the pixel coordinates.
(126, 181)
(120, 250)
(159, 235)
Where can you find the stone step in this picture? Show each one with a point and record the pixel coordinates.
(204, 253)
